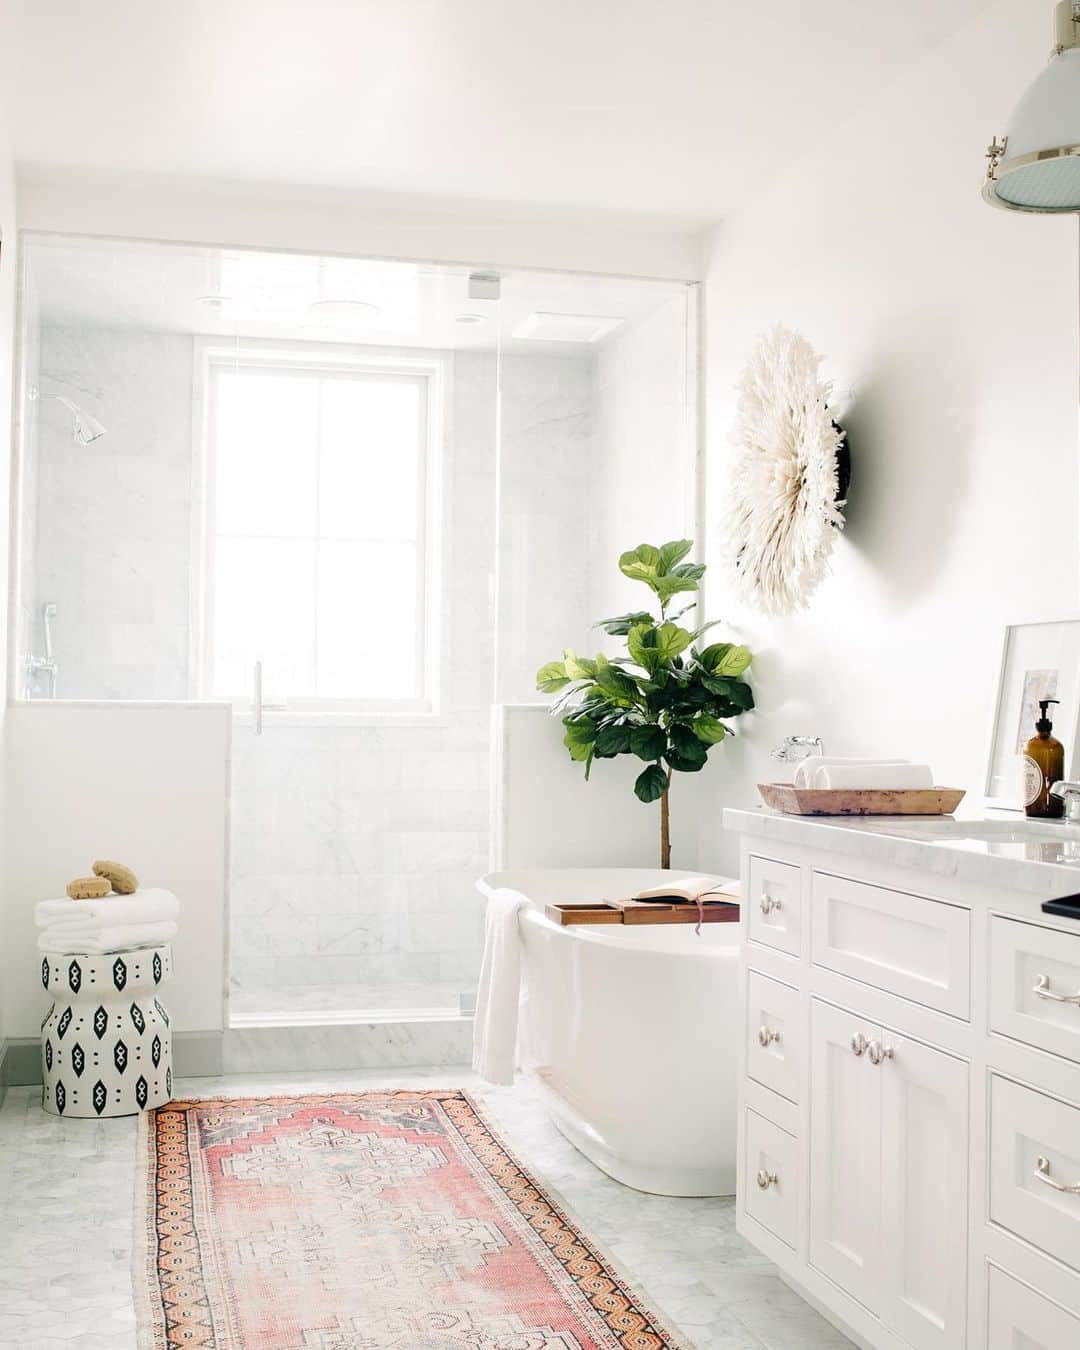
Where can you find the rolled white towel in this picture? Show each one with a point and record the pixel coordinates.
(121, 938)
(882, 776)
(152, 905)
(806, 770)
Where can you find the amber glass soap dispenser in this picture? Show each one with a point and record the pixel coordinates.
(1044, 765)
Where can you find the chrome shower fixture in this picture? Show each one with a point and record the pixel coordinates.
(84, 427)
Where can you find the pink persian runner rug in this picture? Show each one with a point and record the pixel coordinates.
(349, 1222)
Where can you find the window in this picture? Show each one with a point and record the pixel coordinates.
(318, 540)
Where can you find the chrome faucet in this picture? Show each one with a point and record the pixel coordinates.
(1069, 793)
(44, 665)
(794, 748)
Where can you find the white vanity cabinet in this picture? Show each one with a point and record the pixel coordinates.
(909, 1090)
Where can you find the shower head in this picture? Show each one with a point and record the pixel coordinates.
(84, 427)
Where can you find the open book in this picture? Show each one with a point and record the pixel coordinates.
(692, 890)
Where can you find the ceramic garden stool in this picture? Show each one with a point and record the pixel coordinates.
(106, 1047)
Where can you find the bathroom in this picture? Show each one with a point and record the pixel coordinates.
(572, 328)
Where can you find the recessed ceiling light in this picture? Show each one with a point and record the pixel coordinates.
(469, 318)
(542, 327)
(345, 309)
(213, 301)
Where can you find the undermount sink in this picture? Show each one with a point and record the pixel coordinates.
(993, 831)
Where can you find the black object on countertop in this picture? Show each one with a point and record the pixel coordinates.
(1068, 907)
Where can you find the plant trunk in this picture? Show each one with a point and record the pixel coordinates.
(665, 828)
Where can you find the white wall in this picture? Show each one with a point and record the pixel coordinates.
(7, 341)
(642, 467)
(112, 520)
(950, 331)
(372, 224)
(146, 785)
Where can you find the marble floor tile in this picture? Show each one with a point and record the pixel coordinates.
(66, 1196)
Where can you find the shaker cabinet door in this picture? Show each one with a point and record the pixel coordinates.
(924, 1191)
(845, 1145)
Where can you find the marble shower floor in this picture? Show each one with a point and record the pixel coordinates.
(66, 1191)
(296, 1004)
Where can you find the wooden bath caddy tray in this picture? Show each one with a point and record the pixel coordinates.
(860, 801)
(643, 912)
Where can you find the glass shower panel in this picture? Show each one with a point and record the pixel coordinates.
(597, 455)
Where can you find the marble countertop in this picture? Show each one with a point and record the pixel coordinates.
(1006, 851)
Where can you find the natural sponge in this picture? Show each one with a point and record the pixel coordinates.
(88, 888)
(122, 879)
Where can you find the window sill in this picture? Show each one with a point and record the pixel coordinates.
(341, 718)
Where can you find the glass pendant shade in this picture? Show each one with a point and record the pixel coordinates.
(1038, 167)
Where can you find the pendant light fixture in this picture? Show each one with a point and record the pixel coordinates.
(1037, 166)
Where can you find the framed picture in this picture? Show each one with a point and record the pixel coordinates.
(1038, 660)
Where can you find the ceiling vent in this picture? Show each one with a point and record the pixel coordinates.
(540, 327)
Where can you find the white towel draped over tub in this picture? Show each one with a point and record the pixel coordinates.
(499, 991)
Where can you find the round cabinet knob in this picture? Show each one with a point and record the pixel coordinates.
(766, 1179)
(858, 1044)
(766, 1036)
(879, 1052)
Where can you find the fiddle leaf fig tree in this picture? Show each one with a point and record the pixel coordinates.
(668, 700)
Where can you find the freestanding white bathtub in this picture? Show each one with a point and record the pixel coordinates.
(631, 1032)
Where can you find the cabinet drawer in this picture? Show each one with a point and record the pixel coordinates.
(1035, 985)
(775, 900)
(1019, 1317)
(1034, 1149)
(774, 1037)
(917, 948)
(771, 1184)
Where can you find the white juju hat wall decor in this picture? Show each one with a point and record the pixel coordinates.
(789, 475)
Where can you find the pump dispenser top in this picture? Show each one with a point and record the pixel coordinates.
(1044, 726)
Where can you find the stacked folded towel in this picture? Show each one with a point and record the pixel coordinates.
(819, 771)
(116, 923)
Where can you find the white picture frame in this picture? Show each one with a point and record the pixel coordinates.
(1039, 659)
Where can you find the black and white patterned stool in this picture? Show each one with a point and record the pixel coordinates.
(106, 1047)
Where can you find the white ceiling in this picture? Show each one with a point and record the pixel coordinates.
(165, 288)
(673, 106)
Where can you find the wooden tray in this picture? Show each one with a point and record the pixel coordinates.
(860, 801)
(642, 912)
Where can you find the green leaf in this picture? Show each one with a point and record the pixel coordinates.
(686, 753)
(741, 695)
(613, 740)
(552, 677)
(641, 644)
(682, 578)
(621, 624)
(615, 682)
(673, 553)
(580, 737)
(648, 742)
(641, 563)
(709, 730)
(650, 784)
(724, 658)
(671, 640)
(578, 667)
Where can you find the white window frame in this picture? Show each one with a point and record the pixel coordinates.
(429, 369)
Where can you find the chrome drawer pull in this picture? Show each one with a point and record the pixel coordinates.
(878, 1052)
(768, 904)
(859, 1044)
(1042, 990)
(766, 1036)
(1042, 1173)
(766, 1179)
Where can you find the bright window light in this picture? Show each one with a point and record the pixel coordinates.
(317, 540)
